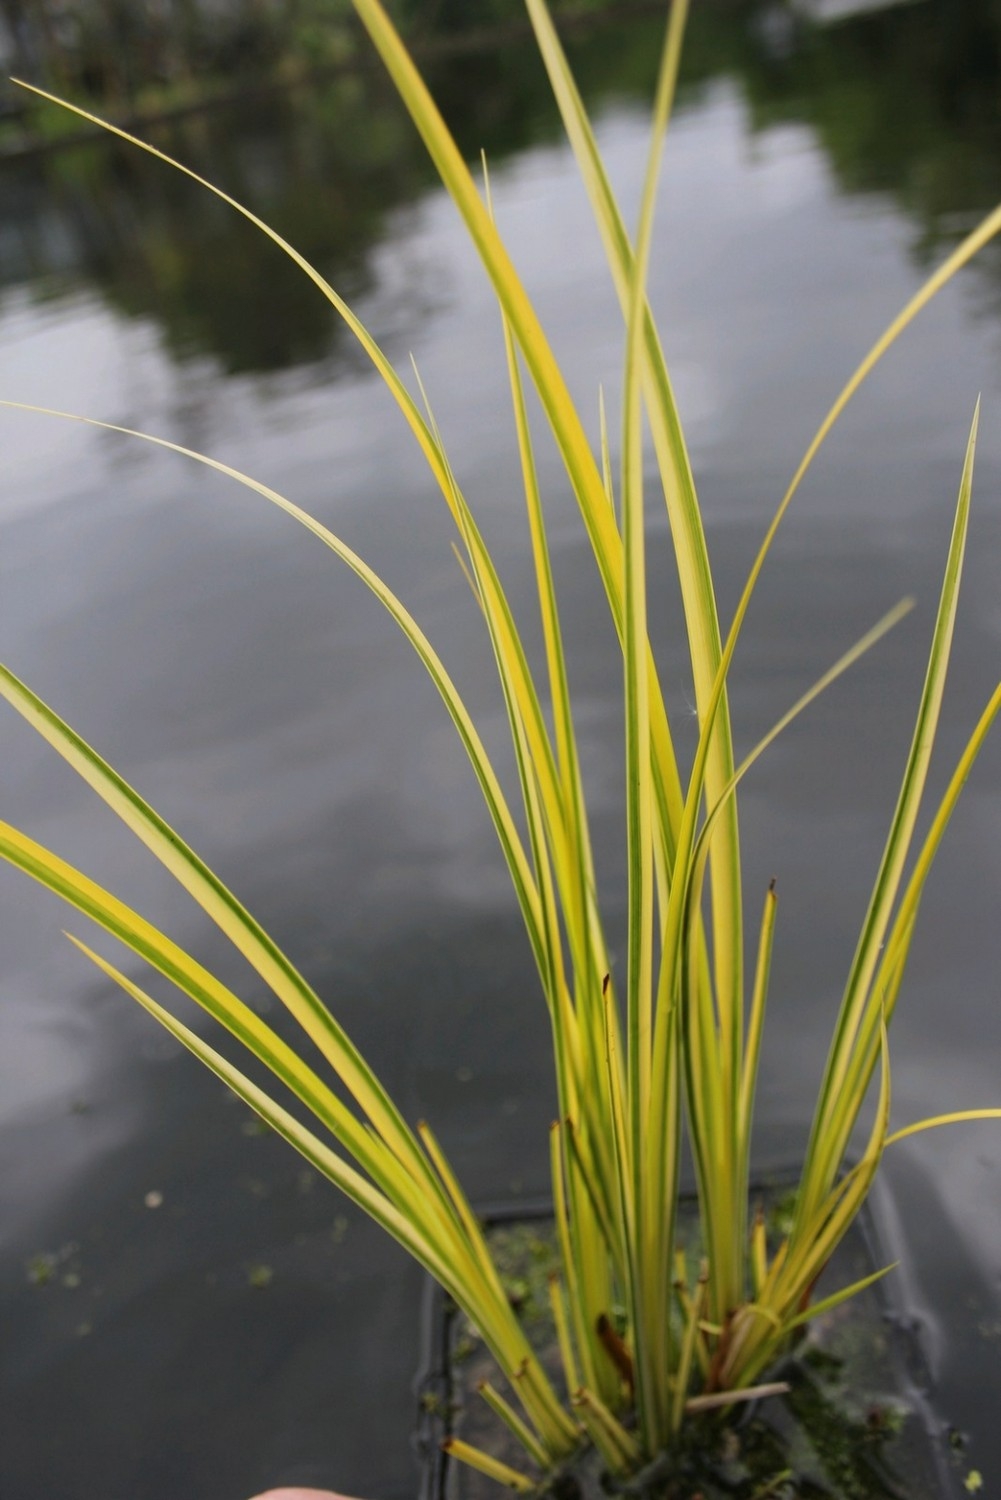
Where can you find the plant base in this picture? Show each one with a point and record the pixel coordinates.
(853, 1426)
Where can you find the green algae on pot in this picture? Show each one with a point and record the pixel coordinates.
(660, 1057)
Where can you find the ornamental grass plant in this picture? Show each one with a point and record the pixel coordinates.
(655, 1059)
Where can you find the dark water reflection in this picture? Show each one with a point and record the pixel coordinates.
(257, 696)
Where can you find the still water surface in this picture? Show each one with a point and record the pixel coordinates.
(186, 1310)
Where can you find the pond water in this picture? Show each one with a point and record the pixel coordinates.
(186, 1310)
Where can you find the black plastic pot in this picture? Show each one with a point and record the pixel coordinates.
(856, 1423)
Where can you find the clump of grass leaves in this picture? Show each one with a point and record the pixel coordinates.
(674, 1051)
